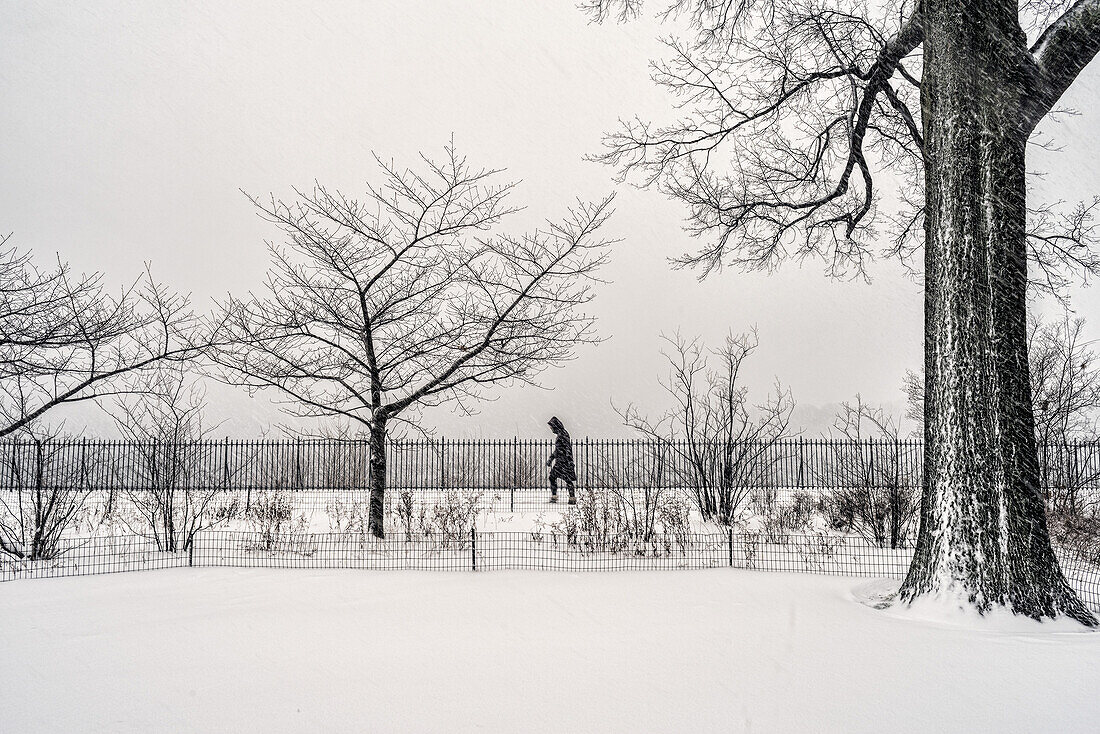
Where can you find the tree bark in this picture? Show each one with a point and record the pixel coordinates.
(377, 478)
(983, 533)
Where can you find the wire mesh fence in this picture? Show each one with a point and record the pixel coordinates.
(1083, 576)
(474, 551)
(85, 556)
(487, 551)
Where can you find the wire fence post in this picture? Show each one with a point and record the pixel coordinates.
(731, 546)
(191, 550)
(473, 547)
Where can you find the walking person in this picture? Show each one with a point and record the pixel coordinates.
(561, 462)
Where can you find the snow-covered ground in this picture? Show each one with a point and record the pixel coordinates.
(271, 650)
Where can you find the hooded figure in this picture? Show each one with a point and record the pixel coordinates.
(562, 461)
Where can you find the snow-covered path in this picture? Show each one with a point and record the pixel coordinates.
(721, 650)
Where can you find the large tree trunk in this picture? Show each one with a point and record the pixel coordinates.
(983, 532)
(377, 477)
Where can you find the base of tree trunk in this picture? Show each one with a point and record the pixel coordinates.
(1030, 584)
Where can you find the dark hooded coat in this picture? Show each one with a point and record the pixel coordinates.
(563, 467)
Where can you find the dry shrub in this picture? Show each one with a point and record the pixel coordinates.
(272, 517)
(616, 520)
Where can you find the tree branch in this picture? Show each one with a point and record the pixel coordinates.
(1061, 53)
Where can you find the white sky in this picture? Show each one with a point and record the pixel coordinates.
(128, 129)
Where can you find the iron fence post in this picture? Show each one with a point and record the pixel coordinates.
(1076, 480)
(801, 461)
(587, 462)
(473, 547)
(731, 546)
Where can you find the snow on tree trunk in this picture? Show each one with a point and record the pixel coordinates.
(983, 531)
(377, 477)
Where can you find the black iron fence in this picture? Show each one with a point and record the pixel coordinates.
(496, 463)
(507, 470)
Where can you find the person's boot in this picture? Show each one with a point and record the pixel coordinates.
(572, 498)
(553, 496)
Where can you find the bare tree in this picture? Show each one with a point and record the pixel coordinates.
(872, 490)
(796, 117)
(411, 299)
(169, 473)
(1065, 388)
(1065, 380)
(67, 339)
(45, 494)
(723, 445)
(634, 487)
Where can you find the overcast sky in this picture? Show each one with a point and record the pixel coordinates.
(129, 128)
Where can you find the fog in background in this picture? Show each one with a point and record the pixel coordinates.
(128, 130)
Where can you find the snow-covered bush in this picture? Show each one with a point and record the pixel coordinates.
(616, 520)
(816, 550)
(412, 516)
(271, 515)
(1077, 533)
(871, 491)
(348, 514)
(450, 516)
(800, 513)
(455, 514)
(884, 515)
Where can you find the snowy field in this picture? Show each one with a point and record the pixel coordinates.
(268, 650)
